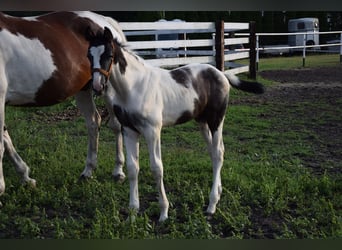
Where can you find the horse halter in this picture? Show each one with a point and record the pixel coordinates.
(104, 72)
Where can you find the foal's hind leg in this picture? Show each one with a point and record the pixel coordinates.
(3, 87)
(2, 149)
(216, 151)
(20, 166)
(85, 103)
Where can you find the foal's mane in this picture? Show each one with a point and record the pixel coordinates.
(126, 48)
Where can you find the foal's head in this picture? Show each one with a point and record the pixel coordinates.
(104, 52)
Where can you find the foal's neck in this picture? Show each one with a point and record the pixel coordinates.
(135, 73)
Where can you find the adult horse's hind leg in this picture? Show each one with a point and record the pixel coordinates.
(216, 151)
(85, 103)
(20, 166)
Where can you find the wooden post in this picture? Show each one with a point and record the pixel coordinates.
(219, 45)
(304, 49)
(252, 50)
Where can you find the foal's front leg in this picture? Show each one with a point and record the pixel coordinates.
(115, 125)
(152, 136)
(131, 139)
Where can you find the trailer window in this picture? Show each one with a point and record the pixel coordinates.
(301, 25)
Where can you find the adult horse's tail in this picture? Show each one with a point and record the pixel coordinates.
(252, 87)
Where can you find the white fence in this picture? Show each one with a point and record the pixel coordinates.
(303, 47)
(188, 42)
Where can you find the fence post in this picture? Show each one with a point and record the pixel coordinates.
(257, 54)
(252, 50)
(219, 45)
(341, 48)
(304, 49)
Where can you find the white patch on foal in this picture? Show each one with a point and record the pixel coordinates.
(28, 64)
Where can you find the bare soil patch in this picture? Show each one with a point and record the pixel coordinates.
(309, 99)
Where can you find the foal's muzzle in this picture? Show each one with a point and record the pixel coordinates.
(100, 86)
(98, 83)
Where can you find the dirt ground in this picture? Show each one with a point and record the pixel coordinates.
(310, 100)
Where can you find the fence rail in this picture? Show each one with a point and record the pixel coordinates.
(304, 47)
(188, 42)
(210, 42)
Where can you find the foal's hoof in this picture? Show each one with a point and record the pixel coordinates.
(119, 178)
(31, 183)
(84, 178)
(209, 216)
(163, 218)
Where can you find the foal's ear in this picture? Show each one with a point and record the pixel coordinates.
(108, 34)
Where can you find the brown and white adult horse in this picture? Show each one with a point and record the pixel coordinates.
(43, 61)
(148, 98)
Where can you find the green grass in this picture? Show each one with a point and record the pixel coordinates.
(267, 192)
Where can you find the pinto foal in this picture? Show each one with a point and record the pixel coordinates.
(148, 98)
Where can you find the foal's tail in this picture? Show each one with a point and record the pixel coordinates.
(252, 87)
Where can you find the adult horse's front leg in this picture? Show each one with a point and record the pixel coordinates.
(20, 166)
(85, 103)
(152, 136)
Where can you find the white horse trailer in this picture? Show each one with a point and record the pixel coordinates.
(309, 25)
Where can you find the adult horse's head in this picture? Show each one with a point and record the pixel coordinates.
(104, 52)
